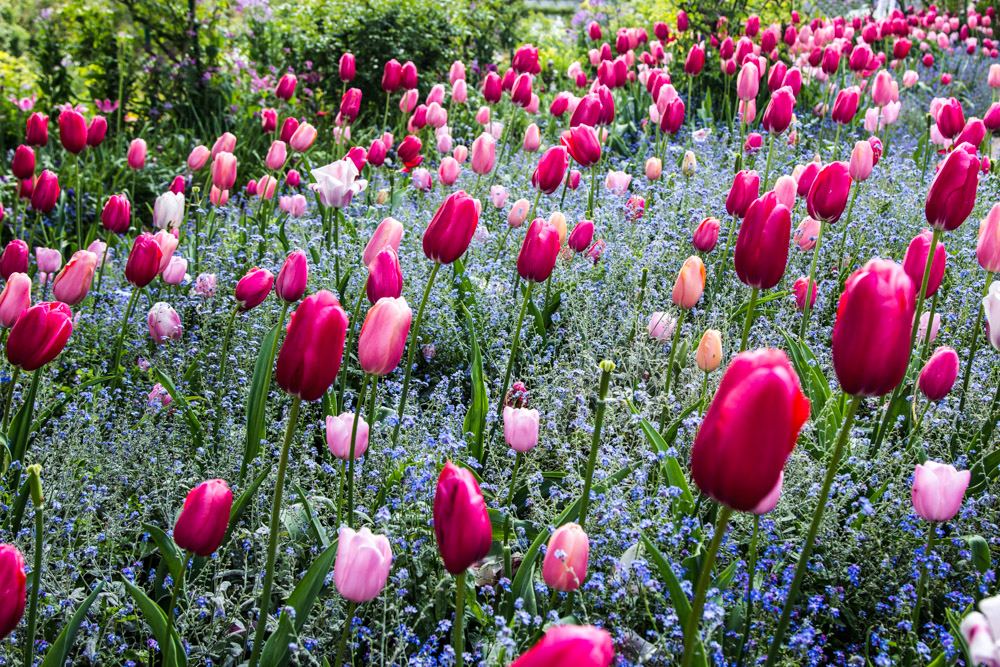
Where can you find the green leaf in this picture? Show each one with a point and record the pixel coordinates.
(668, 464)
(319, 533)
(240, 506)
(394, 478)
(16, 514)
(810, 373)
(260, 386)
(163, 630)
(475, 417)
(680, 601)
(275, 651)
(20, 428)
(47, 413)
(981, 558)
(197, 432)
(58, 653)
(168, 550)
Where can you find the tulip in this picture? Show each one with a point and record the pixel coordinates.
(225, 143)
(39, 335)
(388, 233)
(350, 105)
(292, 278)
(204, 519)
(653, 168)
(950, 118)
(862, 161)
(785, 190)
(532, 138)
(409, 151)
(988, 241)
(14, 258)
(143, 261)
(938, 490)
(778, 114)
(198, 157)
(339, 431)
(706, 235)
(583, 234)
(871, 334)
(991, 306)
(73, 282)
(168, 244)
(14, 299)
(583, 146)
(806, 175)
(484, 152)
(164, 323)
(13, 588)
(915, 262)
(36, 130)
(744, 190)
(845, 105)
(551, 170)
(708, 356)
(385, 277)
(498, 196)
(577, 645)
(927, 330)
(136, 156)
(311, 353)
(205, 285)
(22, 165)
(302, 138)
(762, 245)
(276, 155)
(952, 194)
(168, 210)
(747, 81)
(520, 428)
(690, 283)
(518, 213)
(938, 375)
(363, 564)
(253, 288)
(286, 86)
(73, 131)
(224, 170)
(539, 251)
(827, 195)
(46, 192)
(661, 326)
(391, 76)
(451, 229)
(408, 75)
(48, 259)
(461, 521)
(176, 271)
(804, 285)
(383, 336)
(565, 564)
(449, 170)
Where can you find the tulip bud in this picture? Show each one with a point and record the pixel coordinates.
(690, 283)
(46, 192)
(253, 288)
(520, 428)
(340, 430)
(451, 229)
(202, 523)
(938, 375)
(176, 271)
(461, 521)
(311, 353)
(708, 356)
(143, 261)
(164, 323)
(39, 335)
(224, 170)
(539, 251)
(22, 165)
(15, 299)
(14, 259)
(915, 262)
(988, 243)
(582, 236)
(706, 235)
(799, 290)
(827, 195)
(862, 161)
(383, 336)
(938, 490)
(363, 564)
(292, 278)
(73, 131)
(551, 170)
(385, 276)
(654, 168)
(742, 193)
(661, 326)
(286, 86)
(136, 155)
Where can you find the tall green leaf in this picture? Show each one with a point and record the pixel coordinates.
(260, 386)
(20, 428)
(168, 550)
(58, 653)
(680, 601)
(197, 432)
(163, 630)
(475, 417)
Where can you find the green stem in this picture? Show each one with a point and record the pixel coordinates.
(724, 260)
(847, 223)
(458, 629)
(701, 589)
(748, 321)
(273, 529)
(176, 589)
(607, 367)
(36, 584)
(810, 288)
(342, 644)
(412, 346)
(922, 581)
(224, 359)
(767, 163)
(508, 571)
(121, 337)
(751, 572)
(593, 188)
(800, 568)
(514, 345)
(359, 406)
(10, 397)
(355, 316)
(670, 369)
(975, 334)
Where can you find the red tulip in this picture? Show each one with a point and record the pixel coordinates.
(39, 335)
(286, 86)
(749, 430)
(539, 251)
(385, 277)
(73, 131)
(13, 588)
(14, 258)
(117, 214)
(827, 196)
(952, 194)
(938, 375)
(450, 230)
(203, 521)
(672, 118)
(778, 114)
(762, 245)
(253, 288)
(350, 104)
(520, 93)
(143, 261)
(742, 193)
(806, 178)
(461, 521)
(36, 131)
(871, 335)
(292, 278)
(570, 646)
(313, 347)
(526, 60)
(845, 105)
(22, 165)
(409, 151)
(492, 88)
(915, 261)
(583, 145)
(551, 170)
(46, 192)
(695, 60)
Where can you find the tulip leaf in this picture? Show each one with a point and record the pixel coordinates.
(814, 383)
(240, 505)
(676, 592)
(669, 464)
(168, 550)
(522, 578)
(72, 391)
(302, 599)
(260, 386)
(58, 653)
(163, 630)
(981, 558)
(319, 533)
(391, 480)
(475, 417)
(20, 428)
(197, 432)
(16, 513)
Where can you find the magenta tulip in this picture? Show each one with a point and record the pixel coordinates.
(39, 335)
(938, 375)
(461, 521)
(450, 230)
(570, 646)
(203, 520)
(13, 588)
(539, 251)
(313, 347)
(253, 288)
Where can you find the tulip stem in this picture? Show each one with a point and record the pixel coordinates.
(342, 644)
(704, 394)
(458, 630)
(593, 189)
(78, 197)
(508, 512)
(36, 583)
(355, 314)
(767, 163)
(607, 367)
(410, 352)
(974, 335)
(10, 396)
(748, 321)
(273, 529)
(224, 358)
(119, 345)
(670, 369)
(176, 589)
(922, 581)
(847, 223)
(811, 287)
(701, 589)
(358, 407)
(751, 572)
(514, 345)
(824, 495)
(724, 260)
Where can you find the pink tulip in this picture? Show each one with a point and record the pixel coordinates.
(938, 490)
(363, 564)
(73, 282)
(862, 161)
(565, 564)
(14, 299)
(938, 375)
(339, 430)
(168, 244)
(661, 326)
(520, 428)
(518, 213)
(385, 277)
(799, 290)
(164, 323)
(383, 335)
(388, 233)
(253, 288)
(484, 150)
(293, 277)
(988, 242)
(706, 235)
(175, 271)
(136, 156)
(570, 645)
